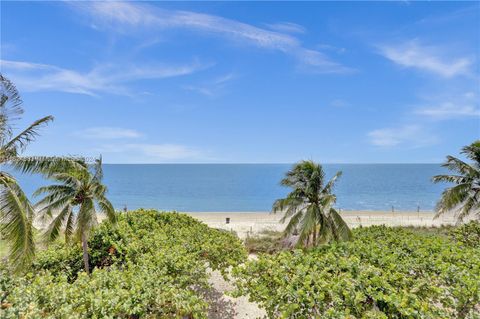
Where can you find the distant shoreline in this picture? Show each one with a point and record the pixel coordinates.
(250, 223)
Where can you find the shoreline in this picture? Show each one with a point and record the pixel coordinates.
(251, 223)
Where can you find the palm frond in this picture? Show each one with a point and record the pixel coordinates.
(19, 142)
(53, 230)
(457, 165)
(331, 183)
(16, 218)
(470, 205)
(342, 230)
(53, 189)
(48, 165)
(69, 227)
(294, 222)
(97, 169)
(457, 179)
(308, 224)
(452, 198)
(10, 107)
(107, 209)
(472, 152)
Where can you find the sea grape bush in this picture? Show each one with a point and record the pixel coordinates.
(383, 273)
(149, 264)
(468, 234)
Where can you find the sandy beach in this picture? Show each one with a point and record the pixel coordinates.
(248, 223)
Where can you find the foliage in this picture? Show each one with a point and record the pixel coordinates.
(308, 207)
(16, 212)
(149, 264)
(72, 203)
(441, 231)
(383, 273)
(468, 234)
(268, 241)
(464, 197)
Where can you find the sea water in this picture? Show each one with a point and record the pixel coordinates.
(254, 187)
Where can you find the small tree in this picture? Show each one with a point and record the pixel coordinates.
(309, 206)
(73, 203)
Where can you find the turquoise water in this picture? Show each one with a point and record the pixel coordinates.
(254, 187)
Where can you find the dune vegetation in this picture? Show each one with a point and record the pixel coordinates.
(384, 272)
(149, 264)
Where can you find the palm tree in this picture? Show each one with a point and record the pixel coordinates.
(72, 204)
(464, 197)
(309, 206)
(16, 212)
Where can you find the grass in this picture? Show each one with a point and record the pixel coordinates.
(267, 241)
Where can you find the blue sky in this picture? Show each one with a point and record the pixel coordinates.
(247, 82)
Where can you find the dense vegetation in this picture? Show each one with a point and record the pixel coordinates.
(383, 273)
(147, 265)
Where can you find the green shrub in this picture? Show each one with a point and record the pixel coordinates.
(468, 234)
(383, 273)
(149, 264)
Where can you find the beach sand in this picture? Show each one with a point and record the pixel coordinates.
(248, 223)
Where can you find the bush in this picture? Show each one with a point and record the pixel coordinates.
(383, 273)
(149, 264)
(468, 234)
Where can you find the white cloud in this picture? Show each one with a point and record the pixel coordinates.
(212, 88)
(449, 110)
(287, 27)
(427, 58)
(449, 104)
(107, 78)
(128, 16)
(408, 135)
(108, 133)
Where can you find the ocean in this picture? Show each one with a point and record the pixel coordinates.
(254, 187)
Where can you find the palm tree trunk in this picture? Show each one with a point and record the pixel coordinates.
(314, 241)
(85, 254)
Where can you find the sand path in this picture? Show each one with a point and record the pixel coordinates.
(223, 306)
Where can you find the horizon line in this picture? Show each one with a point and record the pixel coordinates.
(277, 163)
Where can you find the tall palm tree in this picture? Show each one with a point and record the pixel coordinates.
(73, 203)
(309, 206)
(464, 197)
(16, 212)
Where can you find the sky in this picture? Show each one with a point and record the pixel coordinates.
(247, 82)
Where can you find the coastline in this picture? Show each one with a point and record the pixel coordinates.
(250, 223)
